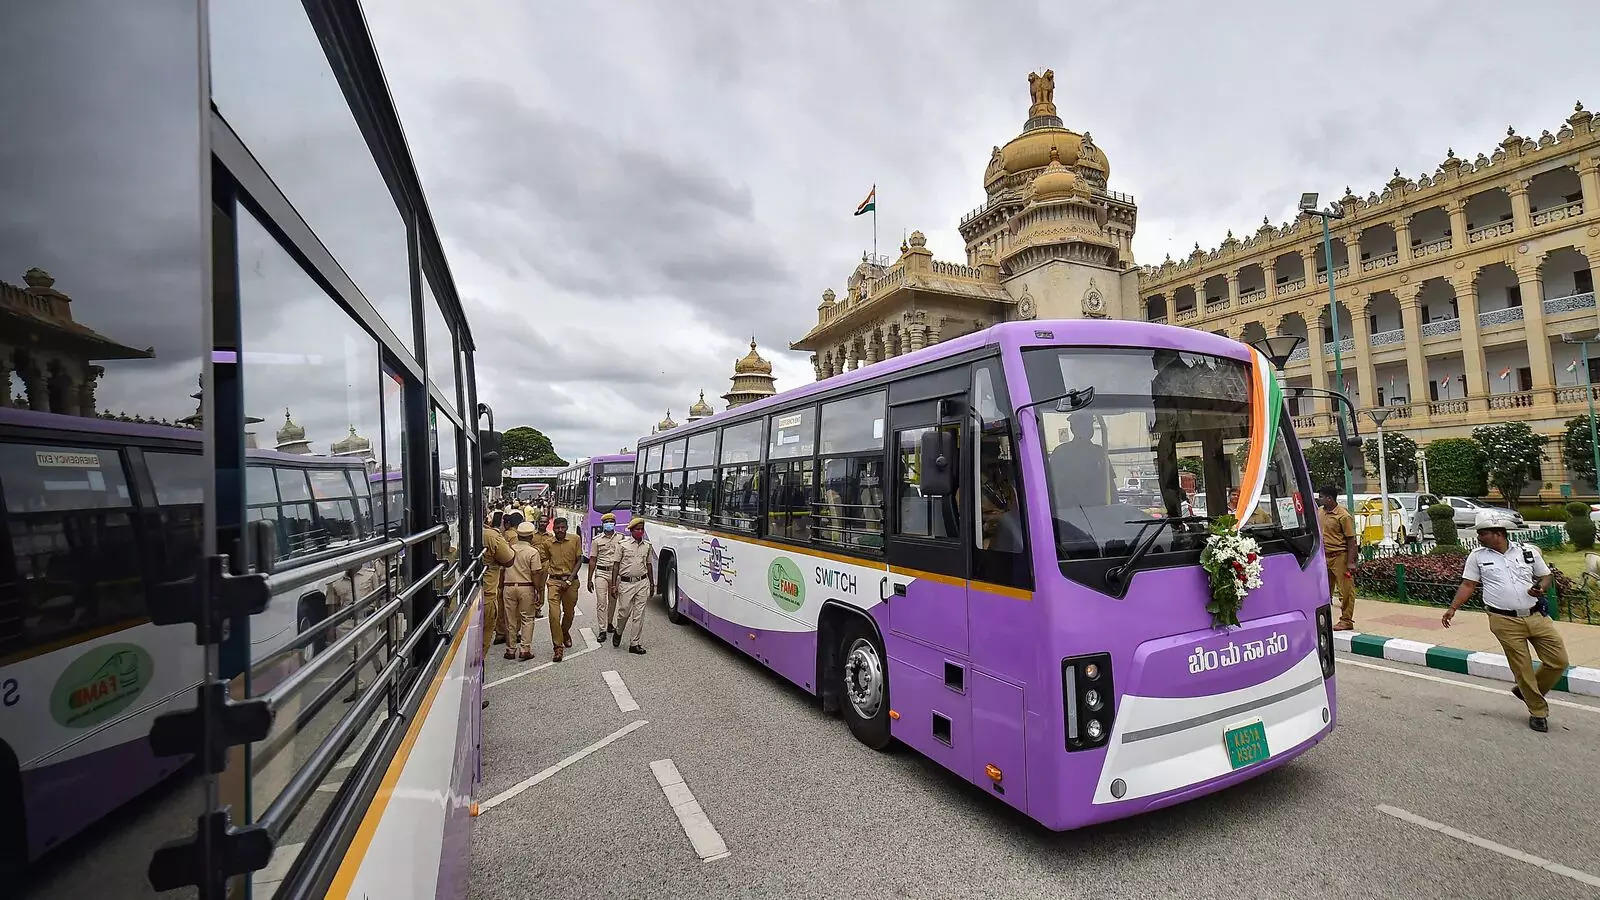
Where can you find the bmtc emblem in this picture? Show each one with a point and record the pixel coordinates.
(716, 560)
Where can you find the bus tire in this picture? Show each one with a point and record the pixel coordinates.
(862, 679)
(311, 610)
(13, 824)
(669, 590)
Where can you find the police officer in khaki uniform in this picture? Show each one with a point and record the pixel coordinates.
(562, 554)
(496, 554)
(605, 552)
(1340, 551)
(636, 570)
(520, 593)
(1514, 579)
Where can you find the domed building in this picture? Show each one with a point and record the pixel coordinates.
(292, 437)
(357, 446)
(665, 424)
(701, 409)
(1051, 240)
(752, 379)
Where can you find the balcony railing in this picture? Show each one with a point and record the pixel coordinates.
(1338, 272)
(1217, 304)
(1500, 316)
(1159, 320)
(1289, 287)
(1441, 327)
(1188, 315)
(1488, 232)
(1380, 262)
(1555, 214)
(1300, 354)
(1385, 338)
(1513, 400)
(1255, 296)
(1571, 303)
(1447, 407)
(1348, 345)
(1577, 393)
(1429, 248)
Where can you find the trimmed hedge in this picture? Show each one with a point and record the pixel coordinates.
(1432, 579)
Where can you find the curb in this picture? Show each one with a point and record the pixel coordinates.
(1577, 679)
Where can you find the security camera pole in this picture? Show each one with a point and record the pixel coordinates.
(1308, 205)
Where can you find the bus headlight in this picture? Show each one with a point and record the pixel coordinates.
(1325, 639)
(1087, 699)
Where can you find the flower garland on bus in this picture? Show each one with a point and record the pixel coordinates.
(1233, 564)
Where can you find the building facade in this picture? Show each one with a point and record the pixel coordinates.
(1454, 291)
(1051, 240)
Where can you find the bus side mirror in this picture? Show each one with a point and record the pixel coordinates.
(263, 538)
(938, 449)
(489, 457)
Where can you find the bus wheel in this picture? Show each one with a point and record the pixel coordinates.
(669, 592)
(864, 685)
(309, 614)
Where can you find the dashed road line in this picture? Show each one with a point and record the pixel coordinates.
(588, 635)
(619, 692)
(1486, 844)
(1553, 701)
(521, 786)
(703, 836)
(539, 668)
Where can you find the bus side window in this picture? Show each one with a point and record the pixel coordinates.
(76, 557)
(180, 483)
(998, 546)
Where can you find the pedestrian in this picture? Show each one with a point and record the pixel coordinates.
(637, 572)
(562, 554)
(605, 552)
(1339, 550)
(496, 555)
(520, 593)
(1514, 578)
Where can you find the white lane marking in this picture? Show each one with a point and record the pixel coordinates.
(539, 668)
(619, 692)
(521, 786)
(588, 635)
(1553, 701)
(703, 836)
(1486, 844)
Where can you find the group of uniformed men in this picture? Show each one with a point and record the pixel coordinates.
(527, 565)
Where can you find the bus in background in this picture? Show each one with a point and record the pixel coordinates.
(590, 489)
(942, 547)
(98, 513)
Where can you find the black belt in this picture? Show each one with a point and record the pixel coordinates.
(633, 578)
(1512, 613)
(516, 584)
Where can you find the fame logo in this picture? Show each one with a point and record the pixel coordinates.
(100, 684)
(785, 583)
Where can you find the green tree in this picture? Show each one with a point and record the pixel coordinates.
(527, 446)
(1512, 452)
(1400, 458)
(1456, 466)
(1325, 461)
(1575, 449)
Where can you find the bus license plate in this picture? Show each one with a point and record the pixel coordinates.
(1247, 744)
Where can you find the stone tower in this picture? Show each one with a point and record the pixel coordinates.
(752, 379)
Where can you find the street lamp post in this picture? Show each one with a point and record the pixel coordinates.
(1588, 391)
(1378, 414)
(1308, 205)
(1422, 469)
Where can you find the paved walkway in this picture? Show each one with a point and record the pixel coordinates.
(1469, 630)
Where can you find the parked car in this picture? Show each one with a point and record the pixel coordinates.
(1416, 512)
(1369, 522)
(1466, 510)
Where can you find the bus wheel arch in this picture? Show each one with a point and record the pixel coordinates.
(834, 621)
(667, 586)
(309, 610)
(13, 817)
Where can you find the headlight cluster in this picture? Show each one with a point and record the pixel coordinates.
(1089, 698)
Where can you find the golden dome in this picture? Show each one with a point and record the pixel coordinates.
(701, 409)
(666, 424)
(290, 432)
(1044, 131)
(752, 363)
(1056, 181)
(354, 443)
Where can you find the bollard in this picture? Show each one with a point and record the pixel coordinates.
(1400, 580)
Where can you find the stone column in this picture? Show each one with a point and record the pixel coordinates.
(1361, 332)
(1458, 223)
(1172, 306)
(33, 381)
(1416, 360)
(1309, 263)
(1233, 289)
(1200, 297)
(1477, 371)
(1269, 271)
(816, 366)
(1402, 238)
(1352, 254)
(919, 337)
(1521, 215)
(1319, 362)
(86, 399)
(1589, 177)
(1531, 281)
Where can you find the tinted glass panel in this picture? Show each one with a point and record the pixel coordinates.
(792, 434)
(738, 497)
(923, 514)
(850, 509)
(702, 450)
(652, 459)
(700, 487)
(853, 425)
(672, 455)
(449, 489)
(789, 498)
(180, 480)
(741, 443)
(441, 347)
(292, 485)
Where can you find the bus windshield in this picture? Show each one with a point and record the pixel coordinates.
(613, 485)
(1166, 435)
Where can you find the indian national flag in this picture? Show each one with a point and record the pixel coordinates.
(870, 204)
(1573, 367)
(1505, 373)
(1266, 414)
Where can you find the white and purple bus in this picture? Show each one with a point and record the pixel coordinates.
(941, 546)
(589, 489)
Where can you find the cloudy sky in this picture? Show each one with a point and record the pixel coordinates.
(628, 191)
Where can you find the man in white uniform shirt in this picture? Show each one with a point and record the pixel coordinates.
(1514, 579)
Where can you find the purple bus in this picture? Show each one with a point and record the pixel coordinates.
(588, 490)
(942, 547)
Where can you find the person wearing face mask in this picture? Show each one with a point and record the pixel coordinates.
(561, 554)
(605, 553)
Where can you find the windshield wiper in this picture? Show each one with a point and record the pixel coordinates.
(1117, 576)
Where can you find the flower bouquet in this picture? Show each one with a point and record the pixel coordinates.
(1233, 564)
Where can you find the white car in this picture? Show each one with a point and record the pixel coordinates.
(1466, 510)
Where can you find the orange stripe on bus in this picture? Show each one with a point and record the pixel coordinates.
(1258, 443)
(356, 853)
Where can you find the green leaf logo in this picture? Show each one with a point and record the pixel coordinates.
(99, 684)
(787, 587)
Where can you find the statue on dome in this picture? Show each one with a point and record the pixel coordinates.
(1042, 88)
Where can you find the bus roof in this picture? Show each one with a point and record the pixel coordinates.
(1010, 335)
(133, 432)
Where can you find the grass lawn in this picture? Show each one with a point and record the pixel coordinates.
(1568, 560)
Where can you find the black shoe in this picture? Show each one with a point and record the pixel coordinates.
(1516, 692)
(616, 639)
(635, 648)
(1538, 723)
(485, 705)
(499, 639)
(601, 637)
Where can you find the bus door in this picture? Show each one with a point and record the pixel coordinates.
(927, 582)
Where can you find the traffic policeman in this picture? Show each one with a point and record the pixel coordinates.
(637, 573)
(1514, 578)
(562, 553)
(520, 593)
(1339, 551)
(496, 554)
(605, 553)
